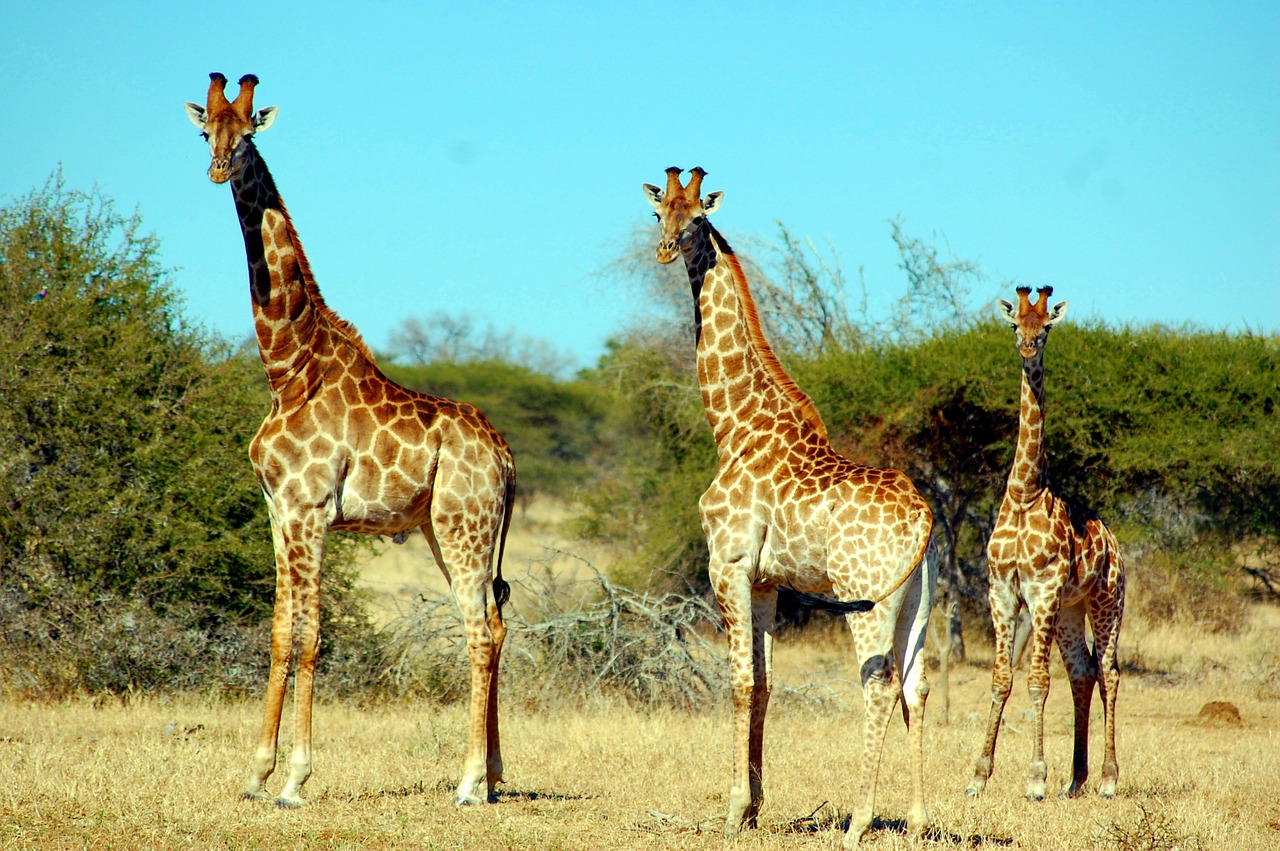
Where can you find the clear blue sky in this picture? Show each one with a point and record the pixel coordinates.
(487, 158)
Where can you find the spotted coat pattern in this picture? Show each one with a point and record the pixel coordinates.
(1063, 564)
(785, 509)
(344, 447)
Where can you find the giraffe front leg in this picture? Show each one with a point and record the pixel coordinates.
(1004, 617)
(1043, 624)
(735, 600)
(307, 554)
(264, 758)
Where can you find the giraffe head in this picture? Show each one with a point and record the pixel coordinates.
(679, 209)
(228, 125)
(1031, 322)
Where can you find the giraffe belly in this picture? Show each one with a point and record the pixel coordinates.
(798, 564)
(385, 514)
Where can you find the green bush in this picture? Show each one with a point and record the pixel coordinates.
(134, 546)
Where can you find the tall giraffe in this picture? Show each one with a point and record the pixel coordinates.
(785, 509)
(1063, 564)
(344, 447)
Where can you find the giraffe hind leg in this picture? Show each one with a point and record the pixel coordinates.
(1082, 670)
(464, 559)
(880, 692)
(1105, 618)
(909, 650)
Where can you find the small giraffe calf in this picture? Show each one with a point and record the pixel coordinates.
(1064, 565)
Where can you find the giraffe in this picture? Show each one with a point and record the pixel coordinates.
(785, 509)
(344, 447)
(1063, 564)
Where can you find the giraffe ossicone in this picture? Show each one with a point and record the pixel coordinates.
(1063, 564)
(785, 509)
(344, 447)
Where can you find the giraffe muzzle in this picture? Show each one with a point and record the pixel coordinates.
(668, 250)
(220, 170)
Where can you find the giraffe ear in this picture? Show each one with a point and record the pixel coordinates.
(1007, 313)
(653, 193)
(1058, 311)
(264, 118)
(712, 202)
(196, 113)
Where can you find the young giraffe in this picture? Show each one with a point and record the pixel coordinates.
(786, 509)
(1063, 563)
(344, 447)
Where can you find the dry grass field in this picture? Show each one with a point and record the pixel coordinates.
(590, 773)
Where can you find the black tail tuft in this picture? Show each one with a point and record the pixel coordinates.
(825, 604)
(501, 592)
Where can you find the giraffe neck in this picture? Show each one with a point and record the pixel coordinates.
(295, 328)
(1030, 474)
(744, 388)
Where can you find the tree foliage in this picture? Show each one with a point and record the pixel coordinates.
(132, 527)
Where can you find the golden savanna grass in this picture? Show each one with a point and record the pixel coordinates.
(587, 772)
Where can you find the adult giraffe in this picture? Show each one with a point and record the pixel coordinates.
(344, 447)
(1060, 561)
(785, 509)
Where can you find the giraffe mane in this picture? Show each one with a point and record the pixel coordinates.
(342, 326)
(751, 318)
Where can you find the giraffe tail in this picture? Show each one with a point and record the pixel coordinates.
(502, 588)
(826, 604)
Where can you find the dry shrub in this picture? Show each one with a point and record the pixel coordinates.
(82, 643)
(1151, 832)
(119, 646)
(605, 640)
(651, 650)
(1188, 587)
(423, 653)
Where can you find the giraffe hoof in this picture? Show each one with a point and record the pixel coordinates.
(467, 801)
(289, 803)
(254, 796)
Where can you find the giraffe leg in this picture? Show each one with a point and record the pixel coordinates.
(880, 691)
(735, 599)
(764, 605)
(1004, 616)
(493, 746)
(264, 760)
(466, 568)
(909, 650)
(1106, 615)
(1043, 623)
(306, 555)
(1082, 670)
